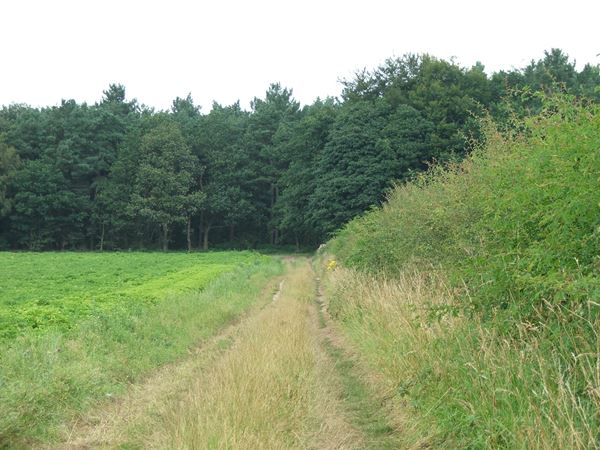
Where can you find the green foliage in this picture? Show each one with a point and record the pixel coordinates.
(369, 145)
(121, 175)
(444, 93)
(45, 209)
(227, 180)
(518, 221)
(304, 141)
(269, 158)
(163, 189)
(162, 304)
(9, 163)
(56, 291)
(552, 74)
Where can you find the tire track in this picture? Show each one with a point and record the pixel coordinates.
(365, 406)
(111, 424)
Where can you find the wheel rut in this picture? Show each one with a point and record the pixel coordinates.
(111, 424)
(285, 356)
(365, 406)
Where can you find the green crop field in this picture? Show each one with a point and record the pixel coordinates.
(44, 290)
(76, 328)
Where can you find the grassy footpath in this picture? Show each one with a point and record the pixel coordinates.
(274, 387)
(453, 383)
(49, 377)
(281, 378)
(364, 398)
(475, 291)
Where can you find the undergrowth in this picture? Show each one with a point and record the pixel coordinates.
(476, 289)
(518, 222)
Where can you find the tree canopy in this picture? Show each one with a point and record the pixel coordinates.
(119, 175)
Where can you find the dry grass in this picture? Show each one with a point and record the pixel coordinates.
(272, 390)
(129, 418)
(50, 378)
(462, 383)
(266, 382)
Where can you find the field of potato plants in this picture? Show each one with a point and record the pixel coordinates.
(77, 328)
(56, 290)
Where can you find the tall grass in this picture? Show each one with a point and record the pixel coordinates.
(457, 383)
(272, 390)
(505, 352)
(48, 378)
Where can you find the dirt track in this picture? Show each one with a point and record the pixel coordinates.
(332, 405)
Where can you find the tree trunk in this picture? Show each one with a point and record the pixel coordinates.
(270, 230)
(205, 238)
(231, 233)
(189, 234)
(274, 233)
(200, 235)
(201, 230)
(276, 238)
(165, 243)
(102, 239)
(297, 243)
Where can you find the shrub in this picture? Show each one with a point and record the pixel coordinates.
(517, 222)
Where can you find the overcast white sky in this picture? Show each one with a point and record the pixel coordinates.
(232, 49)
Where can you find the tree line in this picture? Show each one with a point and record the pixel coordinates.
(120, 175)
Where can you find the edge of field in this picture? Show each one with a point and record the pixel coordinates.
(52, 378)
(283, 377)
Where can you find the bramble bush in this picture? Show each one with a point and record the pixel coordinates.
(517, 223)
(508, 242)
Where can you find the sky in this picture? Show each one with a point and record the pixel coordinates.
(232, 50)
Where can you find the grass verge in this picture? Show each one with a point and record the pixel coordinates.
(457, 384)
(48, 378)
(365, 410)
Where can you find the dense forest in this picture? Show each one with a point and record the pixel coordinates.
(120, 175)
